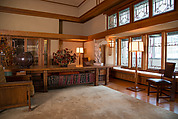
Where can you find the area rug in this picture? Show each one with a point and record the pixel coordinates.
(87, 102)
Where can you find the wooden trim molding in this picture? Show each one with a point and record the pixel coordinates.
(38, 13)
(65, 3)
(172, 16)
(64, 37)
(99, 9)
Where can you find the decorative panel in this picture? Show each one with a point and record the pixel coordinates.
(154, 51)
(124, 16)
(141, 10)
(172, 48)
(124, 52)
(139, 54)
(162, 6)
(112, 21)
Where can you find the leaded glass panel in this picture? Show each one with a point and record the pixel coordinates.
(141, 10)
(154, 51)
(112, 21)
(172, 48)
(124, 16)
(139, 54)
(162, 6)
(124, 52)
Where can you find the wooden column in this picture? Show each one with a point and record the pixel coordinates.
(130, 55)
(97, 77)
(45, 74)
(29, 99)
(163, 50)
(145, 53)
(60, 44)
(49, 52)
(107, 76)
(119, 52)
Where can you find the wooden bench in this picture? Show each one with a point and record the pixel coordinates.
(129, 75)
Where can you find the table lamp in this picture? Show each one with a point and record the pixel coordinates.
(79, 50)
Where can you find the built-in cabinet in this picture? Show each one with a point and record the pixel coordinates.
(39, 48)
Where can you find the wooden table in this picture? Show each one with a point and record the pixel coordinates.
(53, 68)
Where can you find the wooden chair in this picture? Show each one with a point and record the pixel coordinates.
(167, 82)
(14, 91)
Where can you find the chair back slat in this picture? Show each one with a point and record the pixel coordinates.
(169, 69)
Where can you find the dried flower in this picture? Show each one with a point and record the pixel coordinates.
(64, 57)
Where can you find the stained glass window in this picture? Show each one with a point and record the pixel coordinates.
(112, 21)
(154, 51)
(124, 52)
(141, 10)
(139, 54)
(162, 6)
(116, 51)
(124, 17)
(172, 48)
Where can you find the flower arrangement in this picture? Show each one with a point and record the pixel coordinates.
(7, 52)
(64, 57)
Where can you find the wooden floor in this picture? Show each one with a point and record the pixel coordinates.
(121, 85)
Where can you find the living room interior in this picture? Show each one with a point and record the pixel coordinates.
(98, 36)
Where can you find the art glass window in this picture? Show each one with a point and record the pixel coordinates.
(124, 52)
(141, 10)
(154, 51)
(139, 55)
(162, 6)
(116, 51)
(124, 16)
(172, 48)
(112, 21)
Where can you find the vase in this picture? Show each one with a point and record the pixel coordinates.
(24, 59)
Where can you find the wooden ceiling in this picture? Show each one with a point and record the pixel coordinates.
(99, 9)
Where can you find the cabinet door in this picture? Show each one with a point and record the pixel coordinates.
(33, 47)
(18, 43)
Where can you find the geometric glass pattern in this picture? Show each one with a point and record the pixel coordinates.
(154, 51)
(172, 48)
(139, 54)
(116, 51)
(141, 10)
(112, 21)
(124, 52)
(162, 6)
(124, 16)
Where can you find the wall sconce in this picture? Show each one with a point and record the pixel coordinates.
(79, 50)
(111, 43)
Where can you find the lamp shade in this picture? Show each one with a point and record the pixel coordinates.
(136, 46)
(79, 50)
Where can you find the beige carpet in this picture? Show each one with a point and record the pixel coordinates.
(87, 102)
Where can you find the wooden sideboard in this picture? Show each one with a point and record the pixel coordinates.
(53, 68)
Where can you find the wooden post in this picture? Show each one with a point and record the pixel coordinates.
(163, 51)
(29, 100)
(107, 76)
(96, 77)
(45, 74)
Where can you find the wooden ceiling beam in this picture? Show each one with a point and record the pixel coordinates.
(38, 13)
(99, 9)
(160, 19)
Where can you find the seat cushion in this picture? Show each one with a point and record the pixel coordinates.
(2, 75)
(158, 80)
